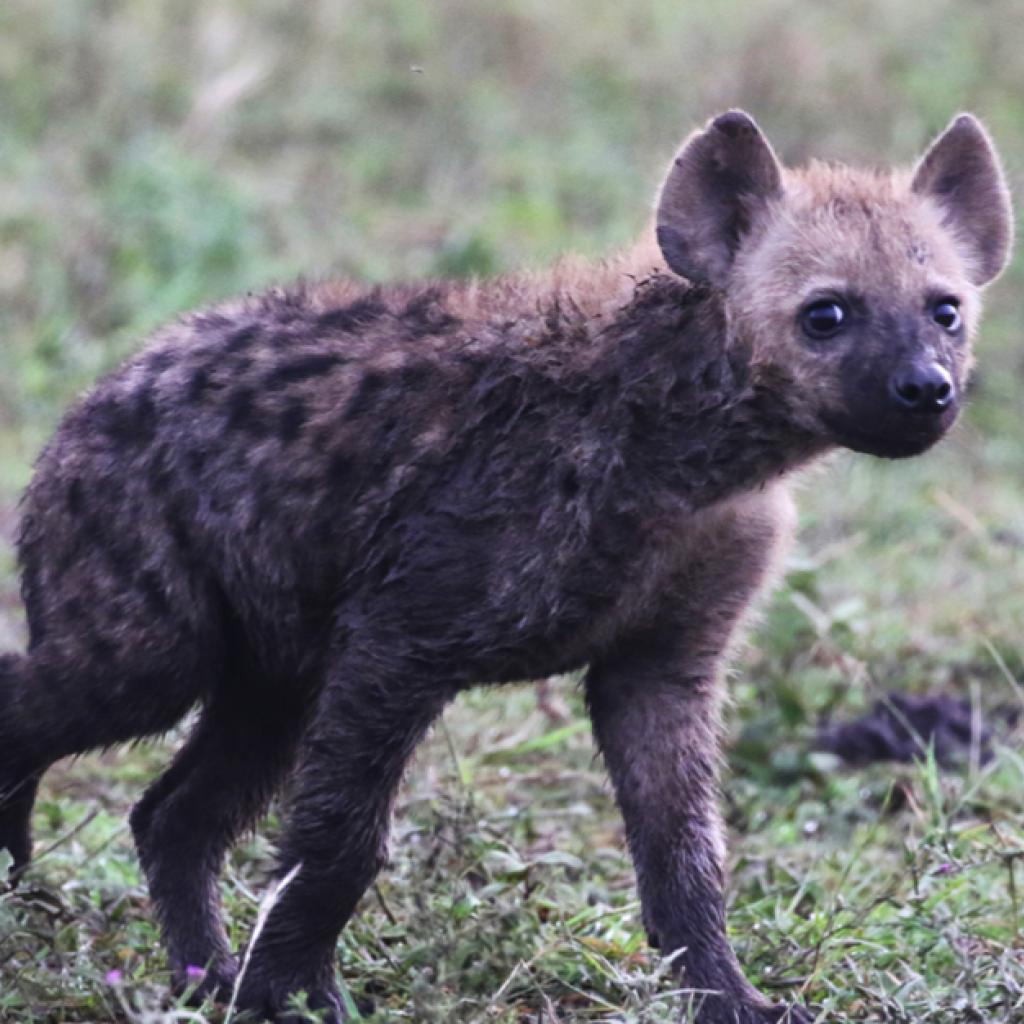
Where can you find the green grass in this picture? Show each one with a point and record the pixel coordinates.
(155, 156)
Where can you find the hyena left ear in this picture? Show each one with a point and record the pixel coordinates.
(721, 179)
(961, 173)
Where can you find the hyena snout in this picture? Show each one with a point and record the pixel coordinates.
(922, 387)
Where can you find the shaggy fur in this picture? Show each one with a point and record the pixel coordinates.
(321, 513)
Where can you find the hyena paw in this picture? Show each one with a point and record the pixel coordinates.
(198, 983)
(272, 1000)
(718, 1012)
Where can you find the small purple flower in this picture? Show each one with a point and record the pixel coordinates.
(194, 974)
(114, 977)
(945, 869)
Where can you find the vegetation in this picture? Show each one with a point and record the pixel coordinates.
(155, 156)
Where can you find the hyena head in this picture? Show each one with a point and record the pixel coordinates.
(860, 287)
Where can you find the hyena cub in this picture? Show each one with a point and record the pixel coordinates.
(319, 514)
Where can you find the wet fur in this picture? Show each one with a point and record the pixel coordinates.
(322, 521)
(321, 513)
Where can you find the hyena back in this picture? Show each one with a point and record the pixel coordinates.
(319, 514)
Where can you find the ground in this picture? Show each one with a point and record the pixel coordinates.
(159, 155)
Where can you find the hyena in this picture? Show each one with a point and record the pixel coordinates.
(318, 514)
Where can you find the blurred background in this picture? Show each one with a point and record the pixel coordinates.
(158, 155)
(155, 156)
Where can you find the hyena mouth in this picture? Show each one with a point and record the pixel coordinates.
(892, 436)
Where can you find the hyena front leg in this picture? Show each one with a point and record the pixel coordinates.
(655, 703)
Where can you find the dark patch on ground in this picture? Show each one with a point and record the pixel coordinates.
(901, 726)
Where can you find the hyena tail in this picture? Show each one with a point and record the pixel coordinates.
(54, 704)
(20, 767)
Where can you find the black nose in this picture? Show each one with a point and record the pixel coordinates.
(922, 387)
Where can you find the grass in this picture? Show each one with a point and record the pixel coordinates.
(155, 156)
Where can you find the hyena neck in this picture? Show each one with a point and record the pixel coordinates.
(703, 419)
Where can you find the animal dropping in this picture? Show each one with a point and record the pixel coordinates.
(320, 513)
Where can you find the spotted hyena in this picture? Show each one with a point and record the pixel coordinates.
(320, 513)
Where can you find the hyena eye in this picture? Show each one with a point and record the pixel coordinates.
(946, 313)
(823, 318)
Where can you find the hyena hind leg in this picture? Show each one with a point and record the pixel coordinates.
(17, 799)
(217, 786)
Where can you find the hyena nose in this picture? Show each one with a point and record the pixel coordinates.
(922, 388)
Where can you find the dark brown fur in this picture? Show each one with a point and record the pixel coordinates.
(321, 513)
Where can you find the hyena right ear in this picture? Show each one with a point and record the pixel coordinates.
(721, 179)
(961, 173)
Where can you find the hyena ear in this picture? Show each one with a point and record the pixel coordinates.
(961, 173)
(720, 181)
